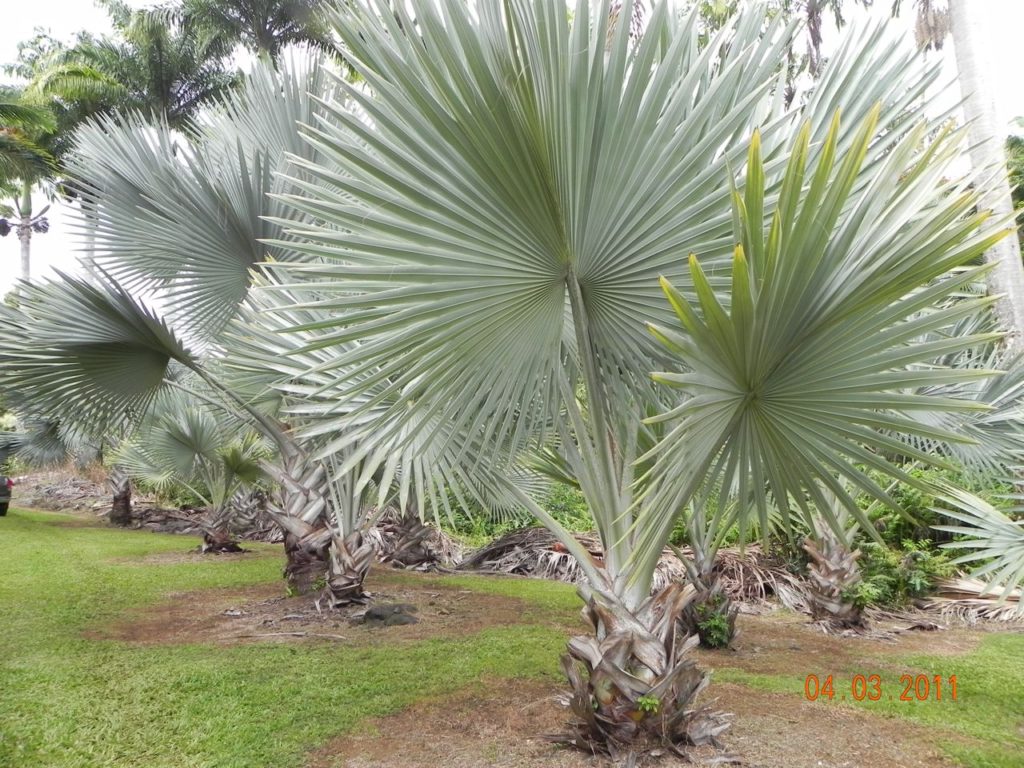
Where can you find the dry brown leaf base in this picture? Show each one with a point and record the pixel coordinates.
(633, 684)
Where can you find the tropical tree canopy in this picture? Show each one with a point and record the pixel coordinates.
(161, 63)
(264, 26)
(506, 216)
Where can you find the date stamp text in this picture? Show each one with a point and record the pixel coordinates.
(874, 688)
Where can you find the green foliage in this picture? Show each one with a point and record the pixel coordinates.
(919, 504)
(713, 623)
(206, 704)
(893, 577)
(264, 26)
(475, 527)
(567, 505)
(649, 705)
(159, 62)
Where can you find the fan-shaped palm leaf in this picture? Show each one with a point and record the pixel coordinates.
(86, 351)
(800, 380)
(527, 172)
(993, 539)
(191, 221)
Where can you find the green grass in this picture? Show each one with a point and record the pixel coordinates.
(69, 701)
(984, 728)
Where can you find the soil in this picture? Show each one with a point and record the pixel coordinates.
(783, 642)
(263, 613)
(503, 725)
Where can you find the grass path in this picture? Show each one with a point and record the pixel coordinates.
(71, 702)
(67, 701)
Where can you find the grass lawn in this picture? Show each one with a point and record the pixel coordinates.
(71, 701)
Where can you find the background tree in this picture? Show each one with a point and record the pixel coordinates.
(264, 26)
(159, 62)
(27, 131)
(987, 152)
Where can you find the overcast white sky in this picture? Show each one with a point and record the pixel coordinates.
(1002, 22)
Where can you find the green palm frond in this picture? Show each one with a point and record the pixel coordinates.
(44, 442)
(471, 196)
(997, 433)
(484, 188)
(265, 26)
(184, 441)
(263, 356)
(25, 116)
(800, 384)
(22, 158)
(78, 82)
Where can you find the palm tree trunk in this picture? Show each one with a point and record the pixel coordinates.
(25, 229)
(121, 505)
(832, 573)
(986, 151)
(317, 557)
(634, 682)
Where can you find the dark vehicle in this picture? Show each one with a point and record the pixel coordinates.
(6, 484)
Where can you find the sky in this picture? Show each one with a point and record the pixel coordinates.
(1001, 23)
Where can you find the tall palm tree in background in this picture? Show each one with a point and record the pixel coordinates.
(264, 26)
(26, 131)
(159, 62)
(492, 254)
(987, 152)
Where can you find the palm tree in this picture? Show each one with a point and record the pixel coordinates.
(160, 63)
(25, 131)
(492, 254)
(188, 228)
(264, 26)
(185, 443)
(987, 152)
(202, 212)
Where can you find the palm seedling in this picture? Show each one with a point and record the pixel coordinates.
(515, 186)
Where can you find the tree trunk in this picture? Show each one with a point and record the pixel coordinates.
(121, 505)
(633, 682)
(832, 572)
(306, 559)
(350, 559)
(987, 153)
(405, 540)
(317, 556)
(25, 230)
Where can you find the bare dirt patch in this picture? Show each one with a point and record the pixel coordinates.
(782, 642)
(503, 726)
(780, 731)
(263, 613)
